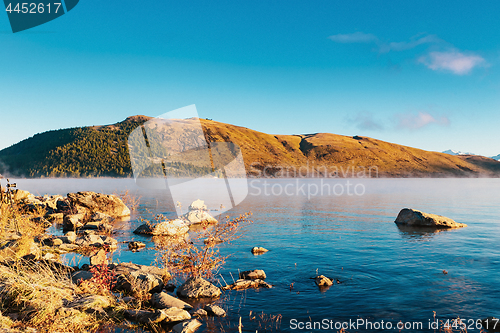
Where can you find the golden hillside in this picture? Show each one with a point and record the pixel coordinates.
(330, 152)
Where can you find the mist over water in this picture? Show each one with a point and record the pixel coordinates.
(386, 272)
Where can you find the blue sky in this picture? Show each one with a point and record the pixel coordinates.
(422, 74)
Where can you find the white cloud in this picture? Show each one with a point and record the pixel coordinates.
(357, 37)
(422, 119)
(453, 61)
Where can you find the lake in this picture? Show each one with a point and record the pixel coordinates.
(386, 273)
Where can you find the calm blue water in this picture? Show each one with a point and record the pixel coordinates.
(387, 273)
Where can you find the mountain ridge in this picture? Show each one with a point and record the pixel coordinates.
(103, 151)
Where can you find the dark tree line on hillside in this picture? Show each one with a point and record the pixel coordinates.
(83, 152)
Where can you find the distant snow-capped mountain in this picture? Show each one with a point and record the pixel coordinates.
(456, 152)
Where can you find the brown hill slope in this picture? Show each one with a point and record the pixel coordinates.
(330, 153)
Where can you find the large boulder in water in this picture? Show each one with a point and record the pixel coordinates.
(198, 216)
(416, 218)
(92, 202)
(198, 213)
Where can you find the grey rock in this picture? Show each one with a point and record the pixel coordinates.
(109, 241)
(80, 276)
(128, 267)
(146, 281)
(163, 300)
(89, 240)
(99, 258)
(69, 247)
(198, 216)
(69, 237)
(198, 287)
(215, 310)
(166, 228)
(145, 317)
(200, 313)
(175, 314)
(93, 202)
(100, 217)
(253, 275)
(189, 326)
(73, 221)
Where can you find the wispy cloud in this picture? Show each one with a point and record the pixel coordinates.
(420, 120)
(366, 121)
(412, 43)
(448, 59)
(454, 61)
(357, 37)
(384, 47)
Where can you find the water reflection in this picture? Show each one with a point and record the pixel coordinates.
(419, 233)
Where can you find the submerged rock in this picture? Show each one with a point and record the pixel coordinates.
(145, 317)
(259, 250)
(136, 245)
(323, 281)
(215, 310)
(198, 287)
(415, 218)
(243, 284)
(187, 326)
(200, 313)
(253, 275)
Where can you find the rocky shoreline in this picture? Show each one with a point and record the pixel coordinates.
(125, 293)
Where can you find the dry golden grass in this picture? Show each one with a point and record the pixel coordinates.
(42, 296)
(130, 200)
